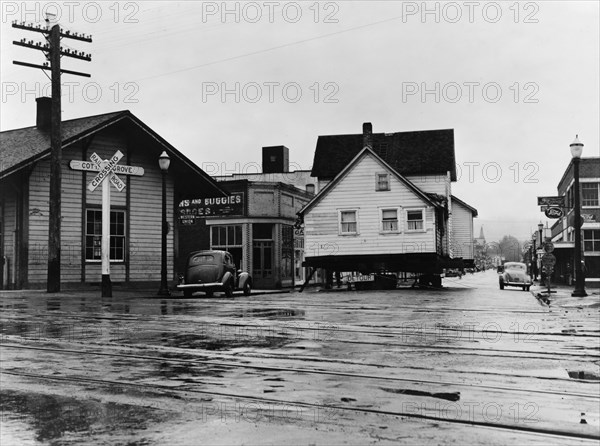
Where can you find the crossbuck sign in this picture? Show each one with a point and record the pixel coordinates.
(107, 170)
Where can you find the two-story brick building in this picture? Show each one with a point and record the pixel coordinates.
(256, 223)
(563, 235)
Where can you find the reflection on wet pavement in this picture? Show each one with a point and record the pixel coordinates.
(53, 417)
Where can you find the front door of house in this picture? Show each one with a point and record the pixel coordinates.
(262, 261)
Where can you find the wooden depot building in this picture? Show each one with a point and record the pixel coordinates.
(135, 211)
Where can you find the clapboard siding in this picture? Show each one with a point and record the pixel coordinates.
(437, 184)
(357, 191)
(39, 192)
(146, 221)
(462, 231)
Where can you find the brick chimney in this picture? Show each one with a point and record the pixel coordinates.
(368, 135)
(44, 109)
(275, 159)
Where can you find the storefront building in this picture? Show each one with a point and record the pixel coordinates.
(562, 232)
(255, 224)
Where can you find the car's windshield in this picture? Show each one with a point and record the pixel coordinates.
(515, 266)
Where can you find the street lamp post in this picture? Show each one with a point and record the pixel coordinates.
(540, 253)
(579, 291)
(164, 161)
(534, 258)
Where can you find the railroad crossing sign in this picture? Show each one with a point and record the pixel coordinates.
(107, 170)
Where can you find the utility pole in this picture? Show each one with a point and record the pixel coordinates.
(53, 52)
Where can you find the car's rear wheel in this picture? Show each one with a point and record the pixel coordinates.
(228, 289)
(247, 288)
(187, 293)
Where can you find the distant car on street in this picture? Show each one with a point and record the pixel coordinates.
(211, 271)
(454, 273)
(515, 274)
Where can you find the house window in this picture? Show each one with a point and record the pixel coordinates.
(348, 222)
(93, 235)
(589, 194)
(389, 220)
(414, 220)
(382, 181)
(228, 238)
(591, 240)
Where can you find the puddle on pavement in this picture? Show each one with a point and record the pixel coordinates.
(221, 339)
(449, 396)
(53, 418)
(579, 374)
(270, 312)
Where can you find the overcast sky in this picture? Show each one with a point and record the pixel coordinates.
(515, 80)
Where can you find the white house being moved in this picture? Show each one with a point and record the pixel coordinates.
(371, 218)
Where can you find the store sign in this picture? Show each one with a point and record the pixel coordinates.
(553, 212)
(191, 210)
(551, 201)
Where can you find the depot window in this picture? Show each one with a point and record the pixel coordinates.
(93, 235)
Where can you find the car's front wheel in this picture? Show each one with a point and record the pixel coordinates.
(187, 293)
(501, 285)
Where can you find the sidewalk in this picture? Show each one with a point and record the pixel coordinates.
(122, 292)
(560, 296)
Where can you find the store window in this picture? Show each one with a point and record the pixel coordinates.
(93, 235)
(228, 238)
(589, 194)
(591, 240)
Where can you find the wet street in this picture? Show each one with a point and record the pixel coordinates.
(469, 364)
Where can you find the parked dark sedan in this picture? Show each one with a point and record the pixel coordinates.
(515, 274)
(211, 271)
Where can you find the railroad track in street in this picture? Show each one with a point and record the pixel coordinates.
(230, 365)
(553, 433)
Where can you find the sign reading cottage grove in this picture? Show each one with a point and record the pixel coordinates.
(191, 210)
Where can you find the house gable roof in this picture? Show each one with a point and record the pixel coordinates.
(351, 165)
(22, 147)
(465, 205)
(427, 152)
